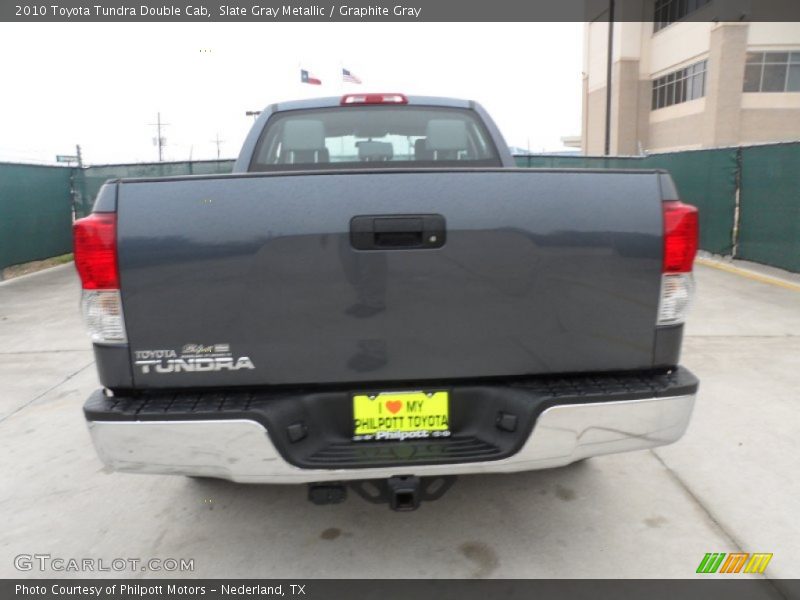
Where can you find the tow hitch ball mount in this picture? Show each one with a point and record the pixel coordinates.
(401, 492)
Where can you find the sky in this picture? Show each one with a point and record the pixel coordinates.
(102, 85)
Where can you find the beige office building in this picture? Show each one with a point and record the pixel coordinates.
(679, 85)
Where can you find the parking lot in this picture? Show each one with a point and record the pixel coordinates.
(730, 485)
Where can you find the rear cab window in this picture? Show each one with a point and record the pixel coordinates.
(352, 137)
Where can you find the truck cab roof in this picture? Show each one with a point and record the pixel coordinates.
(333, 101)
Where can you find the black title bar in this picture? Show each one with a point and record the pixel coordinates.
(381, 10)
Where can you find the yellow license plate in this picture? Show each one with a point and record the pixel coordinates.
(401, 416)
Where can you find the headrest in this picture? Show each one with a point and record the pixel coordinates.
(303, 134)
(421, 151)
(446, 134)
(375, 150)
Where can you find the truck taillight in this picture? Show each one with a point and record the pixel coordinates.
(680, 247)
(95, 244)
(349, 99)
(95, 247)
(680, 236)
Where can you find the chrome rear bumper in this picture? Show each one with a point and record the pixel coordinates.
(240, 450)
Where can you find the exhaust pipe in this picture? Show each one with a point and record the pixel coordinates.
(326, 493)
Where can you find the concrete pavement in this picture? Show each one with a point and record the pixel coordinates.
(729, 485)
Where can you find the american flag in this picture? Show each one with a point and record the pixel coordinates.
(307, 77)
(348, 77)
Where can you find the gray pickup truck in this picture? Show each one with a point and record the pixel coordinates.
(377, 299)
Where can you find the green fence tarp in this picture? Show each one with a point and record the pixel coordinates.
(769, 206)
(89, 180)
(554, 161)
(706, 179)
(35, 213)
(35, 201)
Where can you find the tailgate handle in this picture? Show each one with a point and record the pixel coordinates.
(397, 232)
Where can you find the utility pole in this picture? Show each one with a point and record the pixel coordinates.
(218, 142)
(79, 155)
(609, 69)
(160, 140)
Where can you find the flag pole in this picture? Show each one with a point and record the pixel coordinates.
(298, 79)
(341, 93)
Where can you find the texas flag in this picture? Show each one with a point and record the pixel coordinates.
(307, 77)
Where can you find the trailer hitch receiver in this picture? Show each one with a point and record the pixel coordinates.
(403, 492)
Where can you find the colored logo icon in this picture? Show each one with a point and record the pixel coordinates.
(736, 562)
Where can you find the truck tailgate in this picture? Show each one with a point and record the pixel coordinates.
(539, 272)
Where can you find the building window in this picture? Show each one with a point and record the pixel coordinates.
(680, 86)
(669, 11)
(772, 72)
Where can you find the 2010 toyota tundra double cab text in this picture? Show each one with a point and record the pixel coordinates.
(377, 298)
